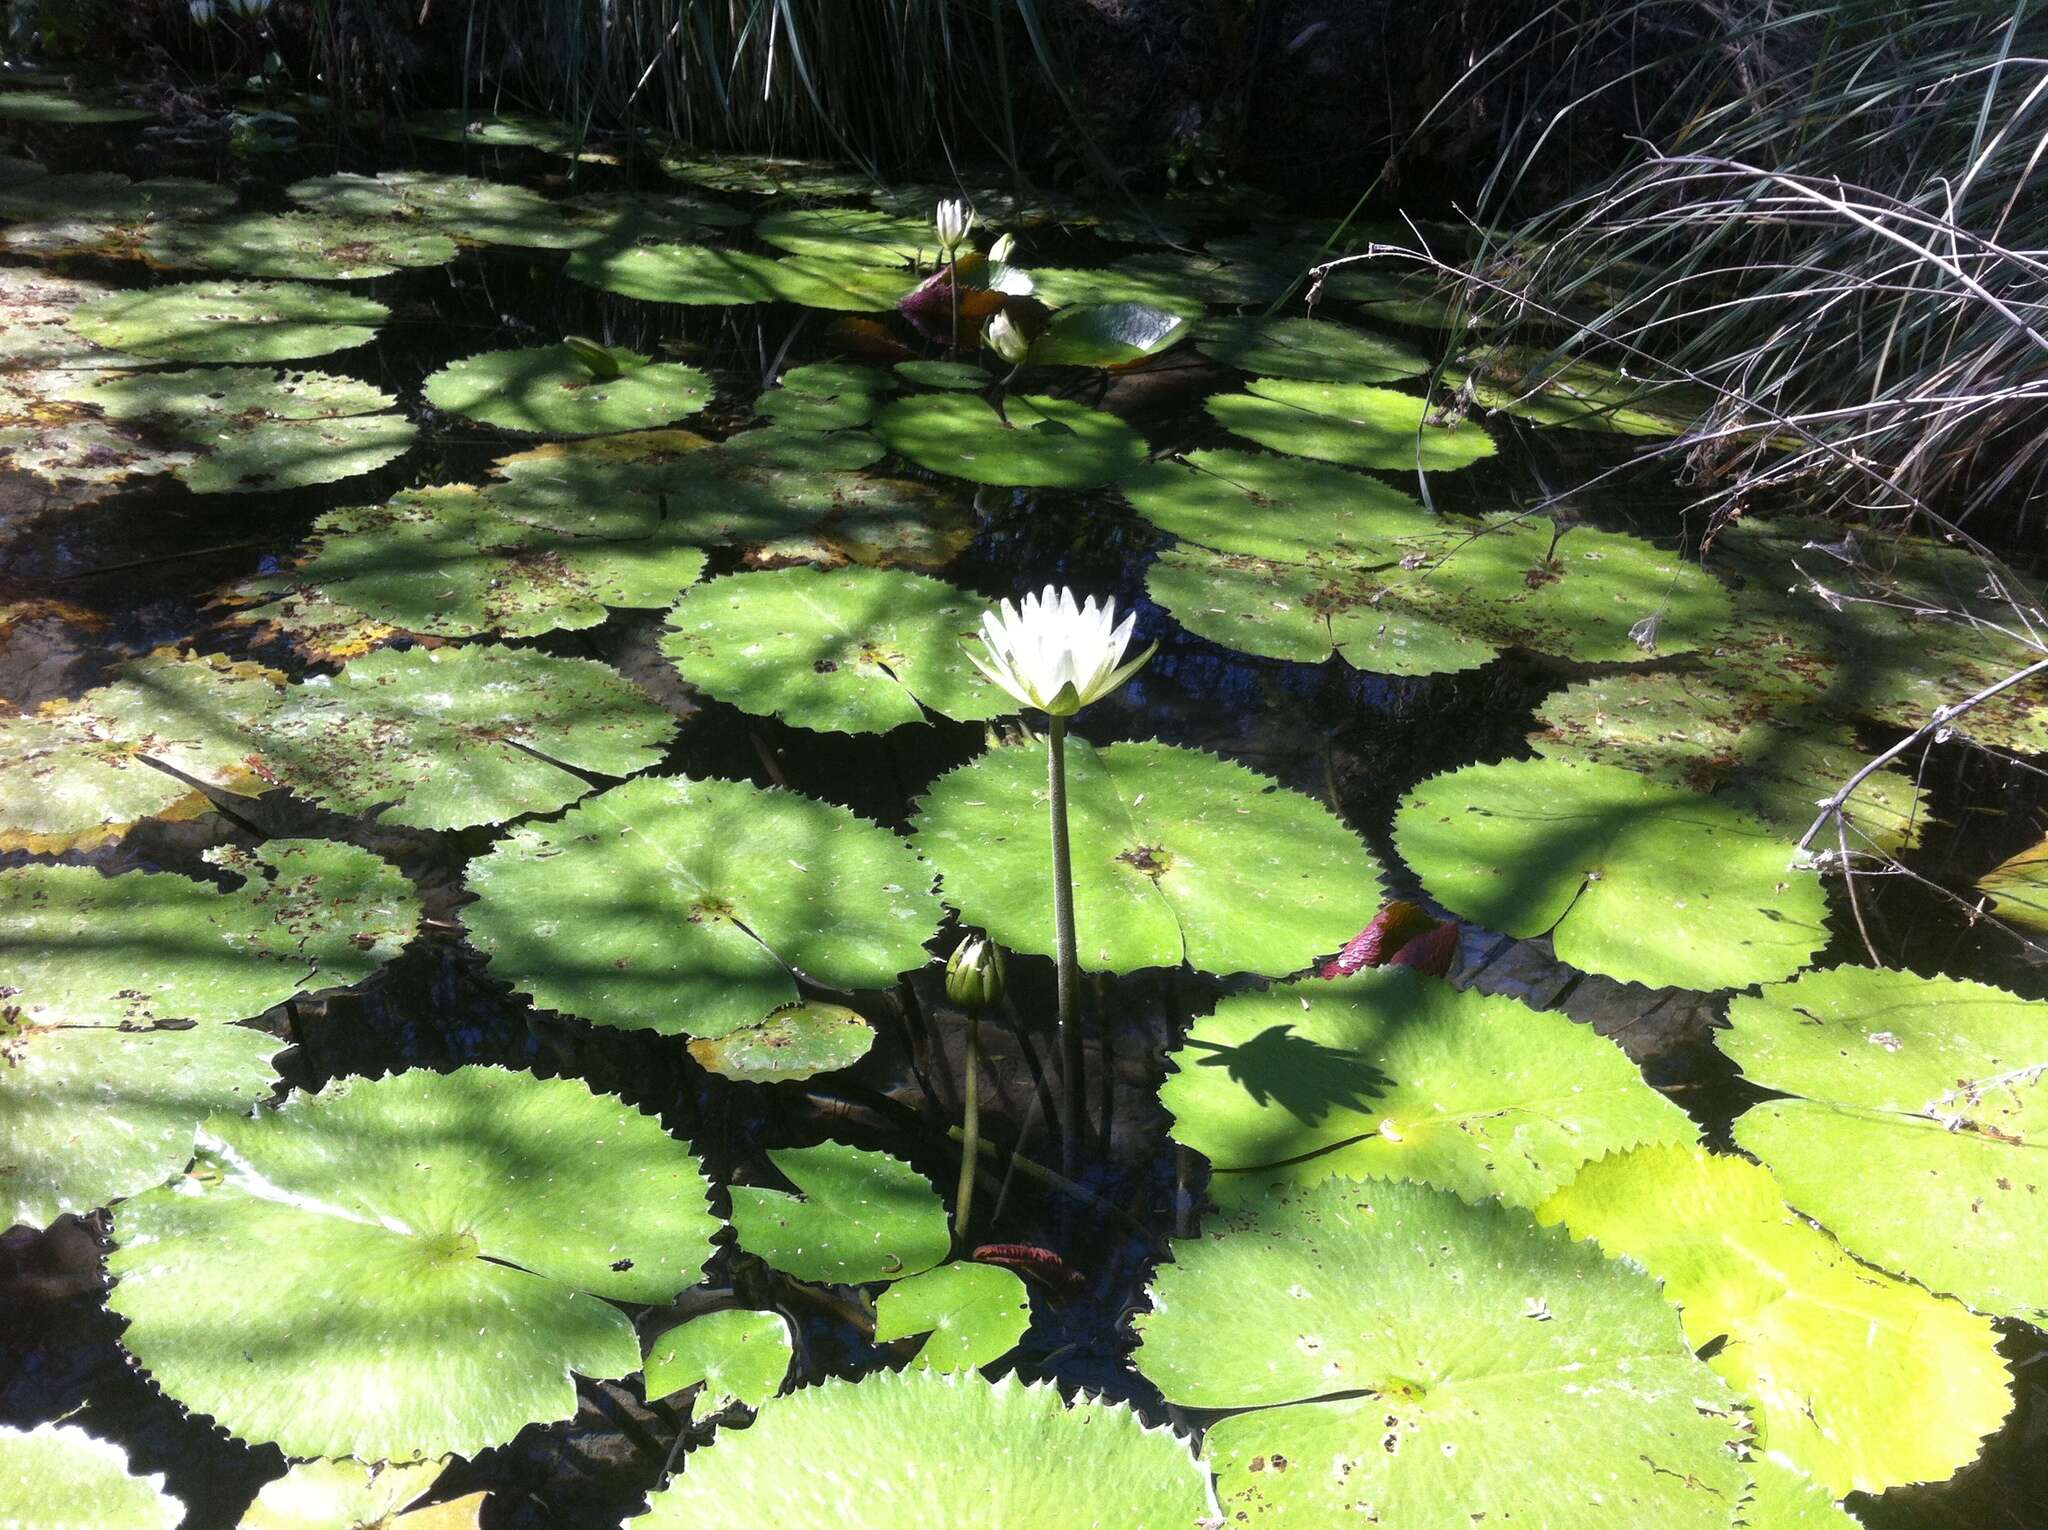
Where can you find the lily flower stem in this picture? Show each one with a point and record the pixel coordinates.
(970, 1128)
(1063, 924)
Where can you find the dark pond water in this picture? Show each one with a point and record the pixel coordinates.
(143, 568)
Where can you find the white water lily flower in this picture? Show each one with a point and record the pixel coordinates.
(1051, 654)
(953, 220)
(1006, 339)
(202, 13)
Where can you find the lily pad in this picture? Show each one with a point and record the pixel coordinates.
(1920, 1127)
(853, 234)
(1546, 389)
(851, 651)
(1306, 613)
(1393, 1075)
(1688, 729)
(1414, 1359)
(1313, 349)
(918, 1447)
(1644, 882)
(834, 379)
(58, 1477)
(296, 454)
(451, 737)
(1357, 426)
(100, 213)
(736, 1355)
(952, 376)
(856, 1216)
(764, 175)
(791, 410)
(549, 390)
(1285, 509)
(795, 1042)
(90, 1113)
(2018, 887)
(448, 562)
(35, 324)
(1785, 1499)
(204, 400)
(449, 1237)
(319, 1495)
(1107, 335)
(303, 245)
(618, 218)
(229, 321)
(1068, 287)
(1390, 299)
(66, 109)
(81, 949)
(1036, 442)
(471, 210)
(691, 274)
(974, 1314)
(1177, 856)
(1833, 1359)
(680, 906)
(78, 773)
(511, 130)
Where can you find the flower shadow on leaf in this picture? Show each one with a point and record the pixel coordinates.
(1303, 1076)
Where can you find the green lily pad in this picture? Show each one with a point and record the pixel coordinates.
(832, 379)
(58, 1477)
(1285, 509)
(1644, 882)
(1357, 426)
(448, 562)
(229, 321)
(797, 1041)
(77, 773)
(297, 454)
(679, 906)
(855, 234)
(511, 130)
(35, 324)
(774, 449)
(1312, 349)
(1414, 1359)
(856, 1216)
(915, 1447)
(451, 737)
(763, 175)
(100, 213)
(1177, 856)
(90, 1113)
(80, 949)
(449, 1237)
(1920, 1128)
(838, 286)
(303, 245)
(203, 400)
(851, 651)
(550, 391)
(1059, 287)
(693, 274)
(1393, 1075)
(471, 210)
(736, 1355)
(82, 458)
(319, 1495)
(1107, 335)
(15, 171)
(66, 109)
(975, 1314)
(1788, 1500)
(1688, 729)
(2018, 888)
(791, 410)
(1306, 613)
(619, 218)
(1036, 442)
(1389, 299)
(952, 376)
(1527, 382)
(1833, 1358)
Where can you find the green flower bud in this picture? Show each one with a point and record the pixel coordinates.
(974, 973)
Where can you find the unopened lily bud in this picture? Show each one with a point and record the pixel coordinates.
(202, 13)
(974, 973)
(951, 222)
(1006, 339)
(1002, 249)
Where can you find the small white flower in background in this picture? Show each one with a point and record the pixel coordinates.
(1006, 339)
(953, 220)
(1002, 250)
(1051, 654)
(202, 13)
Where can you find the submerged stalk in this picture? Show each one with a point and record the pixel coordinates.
(970, 1127)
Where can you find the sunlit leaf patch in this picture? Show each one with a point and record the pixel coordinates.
(1833, 1359)
(1034, 441)
(1178, 857)
(972, 1315)
(551, 390)
(1413, 1358)
(300, 245)
(855, 1216)
(681, 906)
(58, 1477)
(229, 321)
(1350, 424)
(1314, 349)
(735, 1355)
(450, 1237)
